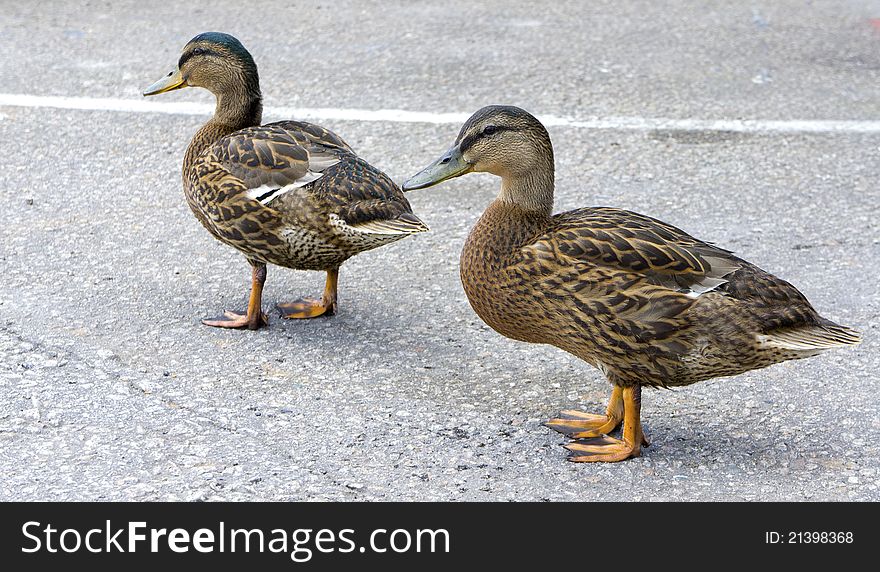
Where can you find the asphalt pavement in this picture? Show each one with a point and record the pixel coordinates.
(111, 389)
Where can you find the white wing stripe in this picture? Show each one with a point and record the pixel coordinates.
(267, 193)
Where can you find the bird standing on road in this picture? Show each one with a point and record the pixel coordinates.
(288, 193)
(637, 298)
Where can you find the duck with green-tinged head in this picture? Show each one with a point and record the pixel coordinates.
(288, 193)
(641, 300)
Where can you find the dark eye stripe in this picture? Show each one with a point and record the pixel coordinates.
(186, 57)
(496, 129)
(472, 138)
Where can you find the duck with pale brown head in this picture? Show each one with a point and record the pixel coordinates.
(641, 300)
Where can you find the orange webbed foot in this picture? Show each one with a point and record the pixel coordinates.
(238, 321)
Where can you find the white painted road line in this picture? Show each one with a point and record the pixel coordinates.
(402, 116)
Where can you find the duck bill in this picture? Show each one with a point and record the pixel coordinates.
(450, 165)
(174, 80)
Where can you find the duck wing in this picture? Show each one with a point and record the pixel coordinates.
(638, 246)
(272, 160)
(640, 276)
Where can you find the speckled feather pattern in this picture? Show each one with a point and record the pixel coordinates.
(312, 227)
(611, 287)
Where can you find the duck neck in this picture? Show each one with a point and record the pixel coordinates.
(531, 190)
(236, 109)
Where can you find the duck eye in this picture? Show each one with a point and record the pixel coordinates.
(489, 130)
(199, 51)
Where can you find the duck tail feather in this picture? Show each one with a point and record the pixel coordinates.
(811, 338)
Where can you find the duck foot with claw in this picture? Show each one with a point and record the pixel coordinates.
(607, 449)
(579, 425)
(312, 307)
(602, 450)
(238, 321)
(254, 318)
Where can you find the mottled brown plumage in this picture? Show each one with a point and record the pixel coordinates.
(637, 298)
(288, 193)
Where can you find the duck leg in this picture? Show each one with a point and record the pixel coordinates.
(254, 318)
(310, 307)
(578, 425)
(609, 450)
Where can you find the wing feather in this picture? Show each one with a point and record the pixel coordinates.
(271, 160)
(660, 254)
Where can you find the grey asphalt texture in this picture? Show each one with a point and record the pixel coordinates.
(111, 389)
